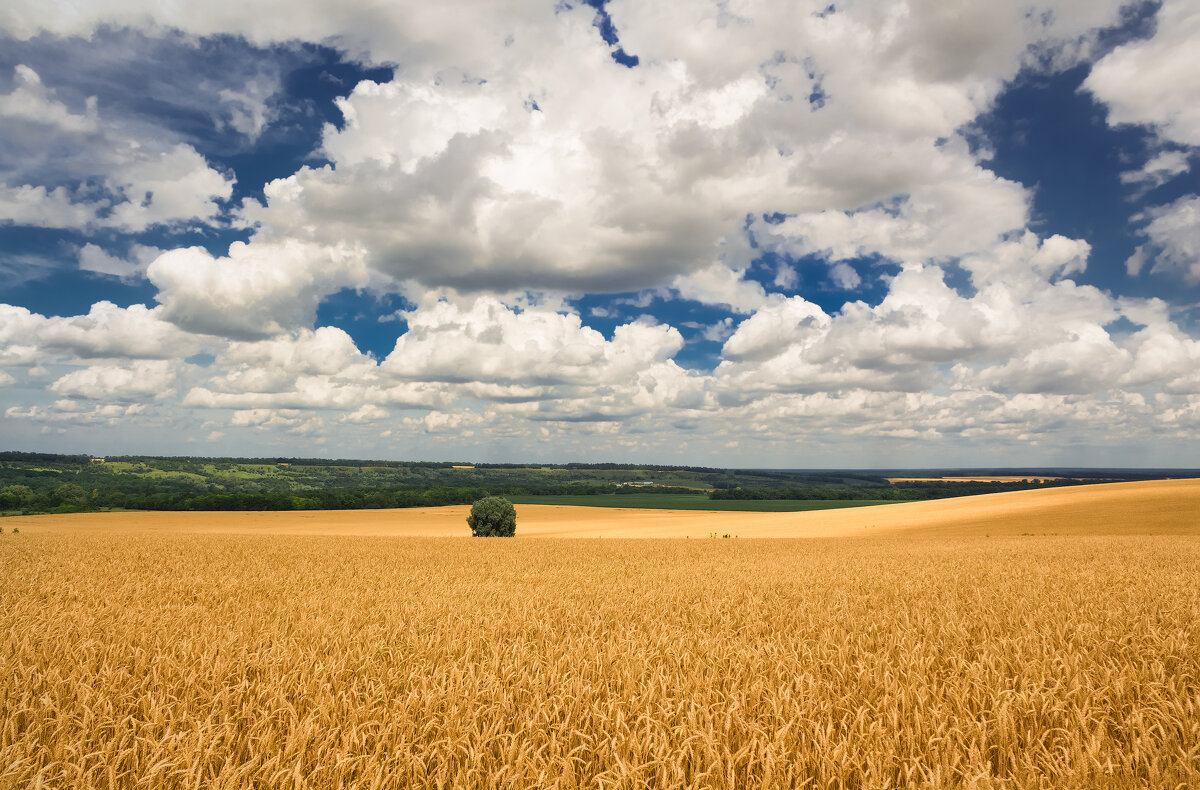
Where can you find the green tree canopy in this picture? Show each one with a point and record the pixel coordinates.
(493, 516)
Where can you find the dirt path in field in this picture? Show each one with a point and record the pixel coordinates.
(1151, 507)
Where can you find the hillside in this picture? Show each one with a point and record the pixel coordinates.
(1135, 508)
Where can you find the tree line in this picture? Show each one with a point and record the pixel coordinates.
(73, 498)
(896, 492)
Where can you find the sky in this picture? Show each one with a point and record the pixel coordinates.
(750, 233)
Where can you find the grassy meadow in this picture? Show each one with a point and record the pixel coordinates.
(167, 656)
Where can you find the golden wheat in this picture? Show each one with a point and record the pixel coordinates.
(227, 661)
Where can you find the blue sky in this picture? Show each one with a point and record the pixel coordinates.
(757, 235)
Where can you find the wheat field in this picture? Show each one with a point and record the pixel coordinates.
(155, 658)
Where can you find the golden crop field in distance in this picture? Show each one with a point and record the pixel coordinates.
(141, 654)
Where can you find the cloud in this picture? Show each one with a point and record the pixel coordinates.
(291, 421)
(786, 276)
(488, 159)
(502, 196)
(1027, 328)
(136, 332)
(1154, 81)
(186, 88)
(952, 207)
(1160, 169)
(94, 259)
(511, 166)
(326, 351)
(1163, 355)
(367, 413)
(69, 167)
(444, 423)
(248, 105)
(720, 331)
(511, 178)
(18, 328)
(73, 412)
(1174, 239)
(928, 43)
(844, 276)
(30, 101)
(308, 369)
(1087, 361)
(255, 291)
(47, 208)
(137, 381)
(486, 341)
(790, 324)
(720, 285)
(541, 365)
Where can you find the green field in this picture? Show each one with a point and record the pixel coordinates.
(693, 502)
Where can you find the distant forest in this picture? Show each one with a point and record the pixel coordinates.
(47, 483)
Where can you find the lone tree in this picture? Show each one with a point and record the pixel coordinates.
(493, 517)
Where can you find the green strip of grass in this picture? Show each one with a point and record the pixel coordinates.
(694, 502)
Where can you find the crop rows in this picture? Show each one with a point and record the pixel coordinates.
(319, 662)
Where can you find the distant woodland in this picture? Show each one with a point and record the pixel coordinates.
(45, 483)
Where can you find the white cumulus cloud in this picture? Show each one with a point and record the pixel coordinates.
(256, 291)
(70, 167)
